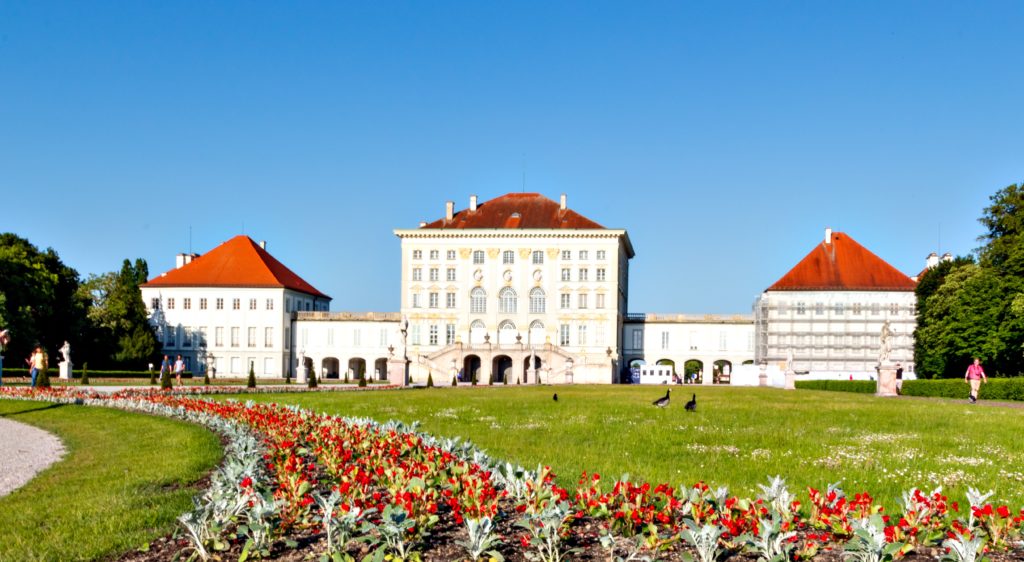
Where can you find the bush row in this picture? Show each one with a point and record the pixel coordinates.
(77, 373)
(994, 389)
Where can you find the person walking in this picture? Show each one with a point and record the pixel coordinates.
(975, 375)
(899, 379)
(179, 368)
(37, 362)
(165, 367)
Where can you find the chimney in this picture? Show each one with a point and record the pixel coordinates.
(828, 235)
(947, 257)
(449, 211)
(263, 244)
(561, 202)
(181, 260)
(932, 260)
(423, 223)
(472, 203)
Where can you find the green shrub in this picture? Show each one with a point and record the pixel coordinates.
(288, 377)
(862, 387)
(101, 374)
(362, 379)
(430, 380)
(311, 379)
(251, 383)
(206, 378)
(165, 380)
(85, 374)
(152, 377)
(994, 389)
(43, 380)
(455, 381)
(346, 376)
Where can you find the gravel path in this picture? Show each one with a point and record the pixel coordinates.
(24, 451)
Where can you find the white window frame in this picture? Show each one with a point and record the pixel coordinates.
(538, 300)
(478, 301)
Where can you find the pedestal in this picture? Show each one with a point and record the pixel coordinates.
(397, 369)
(886, 379)
(790, 381)
(762, 375)
(65, 370)
(302, 375)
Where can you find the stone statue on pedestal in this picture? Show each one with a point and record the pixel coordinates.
(65, 352)
(885, 344)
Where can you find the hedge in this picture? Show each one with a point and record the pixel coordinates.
(994, 389)
(863, 387)
(93, 374)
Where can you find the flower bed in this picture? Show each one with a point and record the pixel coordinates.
(345, 489)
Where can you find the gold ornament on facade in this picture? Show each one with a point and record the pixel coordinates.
(552, 253)
(493, 253)
(524, 253)
(464, 253)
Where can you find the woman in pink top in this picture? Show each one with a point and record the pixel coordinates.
(975, 375)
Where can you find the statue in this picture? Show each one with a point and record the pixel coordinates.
(302, 357)
(885, 344)
(789, 360)
(65, 352)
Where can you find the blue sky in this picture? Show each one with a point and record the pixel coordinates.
(724, 136)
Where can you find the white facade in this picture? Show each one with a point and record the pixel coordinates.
(487, 301)
(337, 344)
(705, 344)
(834, 334)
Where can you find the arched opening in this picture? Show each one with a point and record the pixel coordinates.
(723, 371)
(669, 363)
(631, 370)
(506, 333)
(470, 368)
(507, 300)
(527, 369)
(536, 334)
(330, 367)
(477, 331)
(380, 368)
(502, 368)
(357, 367)
(694, 371)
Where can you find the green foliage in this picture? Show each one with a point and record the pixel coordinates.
(85, 374)
(311, 381)
(165, 379)
(206, 378)
(861, 387)
(994, 389)
(288, 377)
(430, 380)
(251, 382)
(455, 381)
(43, 380)
(346, 376)
(362, 380)
(102, 374)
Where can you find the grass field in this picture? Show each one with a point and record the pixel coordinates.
(737, 437)
(124, 480)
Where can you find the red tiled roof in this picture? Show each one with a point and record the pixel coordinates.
(239, 262)
(843, 265)
(517, 210)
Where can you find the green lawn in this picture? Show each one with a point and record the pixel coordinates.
(124, 480)
(737, 437)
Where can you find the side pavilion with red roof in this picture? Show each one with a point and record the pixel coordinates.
(827, 313)
(229, 309)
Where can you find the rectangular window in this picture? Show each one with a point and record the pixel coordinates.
(433, 274)
(783, 308)
(839, 309)
(581, 334)
(416, 300)
(602, 274)
(538, 257)
(434, 255)
(186, 303)
(583, 300)
(723, 341)
(600, 255)
(218, 336)
(252, 304)
(894, 309)
(599, 298)
(234, 337)
(270, 304)
(417, 274)
(584, 274)
(433, 300)
(202, 303)
(450, 274)
(801, 308)
(449, 334)
(268, 337)
(201, 342)
(508, 257)
(856, 308)
(450, 255)
(664, 340)
(357, 337)
(449, 300)
(236, 365)
(433, 334)
(564, 302)
(236, 304)
(478, 257)
(638, 339)
(414, 334)
(417, 254)
(154, 303)
(566, 274)
(819, 308)
(383, 339)
(288, 304)
(563, 334)
(170, 303)
(252, 337)
(876, 309)
(287, 338)
(584, 255)
(268, 365)
(566, 255)
(186, 337)
(330, 336)
(172, 336)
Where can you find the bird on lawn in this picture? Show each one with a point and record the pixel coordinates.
(691, 406)
(663, 401)
(555, 397)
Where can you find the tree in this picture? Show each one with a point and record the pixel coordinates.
(311, 379)
(85, 374)
(251, 383)
(927, 355)
(430, 380)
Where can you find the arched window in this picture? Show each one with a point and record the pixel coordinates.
(477, 331)
(537, 300)
(536, 332)
(506, 333)
(507, 300)
(477, 301)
